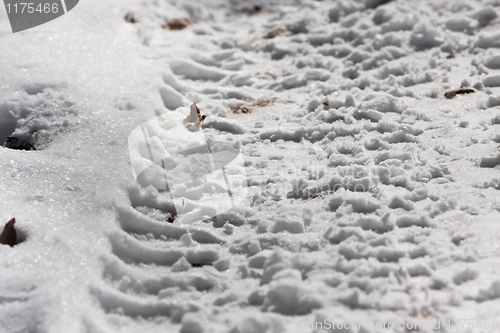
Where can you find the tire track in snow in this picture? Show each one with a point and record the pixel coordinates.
(353, 202)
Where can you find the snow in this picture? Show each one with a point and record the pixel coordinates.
(343, 186)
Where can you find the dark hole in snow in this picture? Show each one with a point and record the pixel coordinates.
(18, 144)
(200, 264)
(8, 123)
(375, 3)
(457, 239)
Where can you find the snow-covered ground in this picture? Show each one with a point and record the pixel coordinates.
(372, 198)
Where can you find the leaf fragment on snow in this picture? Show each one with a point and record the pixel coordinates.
(256, 9)
(130, 18)
(273, 76)
(9, 234)
(453, 93)
(194, 120)
(260, 103)
(177, 24)
(274, 33)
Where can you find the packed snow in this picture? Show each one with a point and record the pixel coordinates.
(370, 198)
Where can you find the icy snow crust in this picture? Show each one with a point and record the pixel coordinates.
(372, 197)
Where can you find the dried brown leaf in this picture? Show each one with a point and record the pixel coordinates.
(274, 33)
(130, 17)
(255, 10)
(9, 234)
(247, 108)
(273, 76)
(451, 94)
(194, 119)
(177, 24)
(320, 194)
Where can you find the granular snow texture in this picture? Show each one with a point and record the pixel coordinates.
(373, 198)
